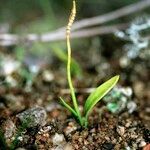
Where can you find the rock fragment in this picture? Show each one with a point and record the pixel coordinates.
(121, 130)
(33, 117)
(142, 144)
(58, 139)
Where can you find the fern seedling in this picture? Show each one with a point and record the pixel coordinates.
(95, 96)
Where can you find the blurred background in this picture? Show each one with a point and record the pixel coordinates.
(110, 37)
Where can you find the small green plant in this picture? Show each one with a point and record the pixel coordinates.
(95, 96)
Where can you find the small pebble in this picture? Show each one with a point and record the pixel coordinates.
(20, 138)
(124, 62)
(127, 148)
(142, 144)
(127, 91)
(58, 139)
(11, 81)
(70, 128)
(121, 130)
(33, 117)
(9, 65)
(131, 106)
(128, 124)
(47, 76)
(45, 130)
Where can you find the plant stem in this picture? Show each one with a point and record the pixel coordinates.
(71, 19)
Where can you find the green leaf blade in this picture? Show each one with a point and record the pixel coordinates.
(99, 93)
(68, 107)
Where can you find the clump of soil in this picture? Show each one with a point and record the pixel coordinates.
(47, 125)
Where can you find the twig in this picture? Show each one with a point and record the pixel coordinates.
(59, 34)
(12, 39)
(99, 30)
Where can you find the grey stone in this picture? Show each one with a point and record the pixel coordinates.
(33, 117)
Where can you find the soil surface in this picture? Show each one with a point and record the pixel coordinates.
(31, 116)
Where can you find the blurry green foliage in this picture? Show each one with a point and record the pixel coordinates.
(19, 52)
(3, 145)
(40, 16)
(18, 11)
(62, 55)
(46, 23)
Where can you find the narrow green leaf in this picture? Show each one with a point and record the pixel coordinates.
(99, 93)
(68, 107)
